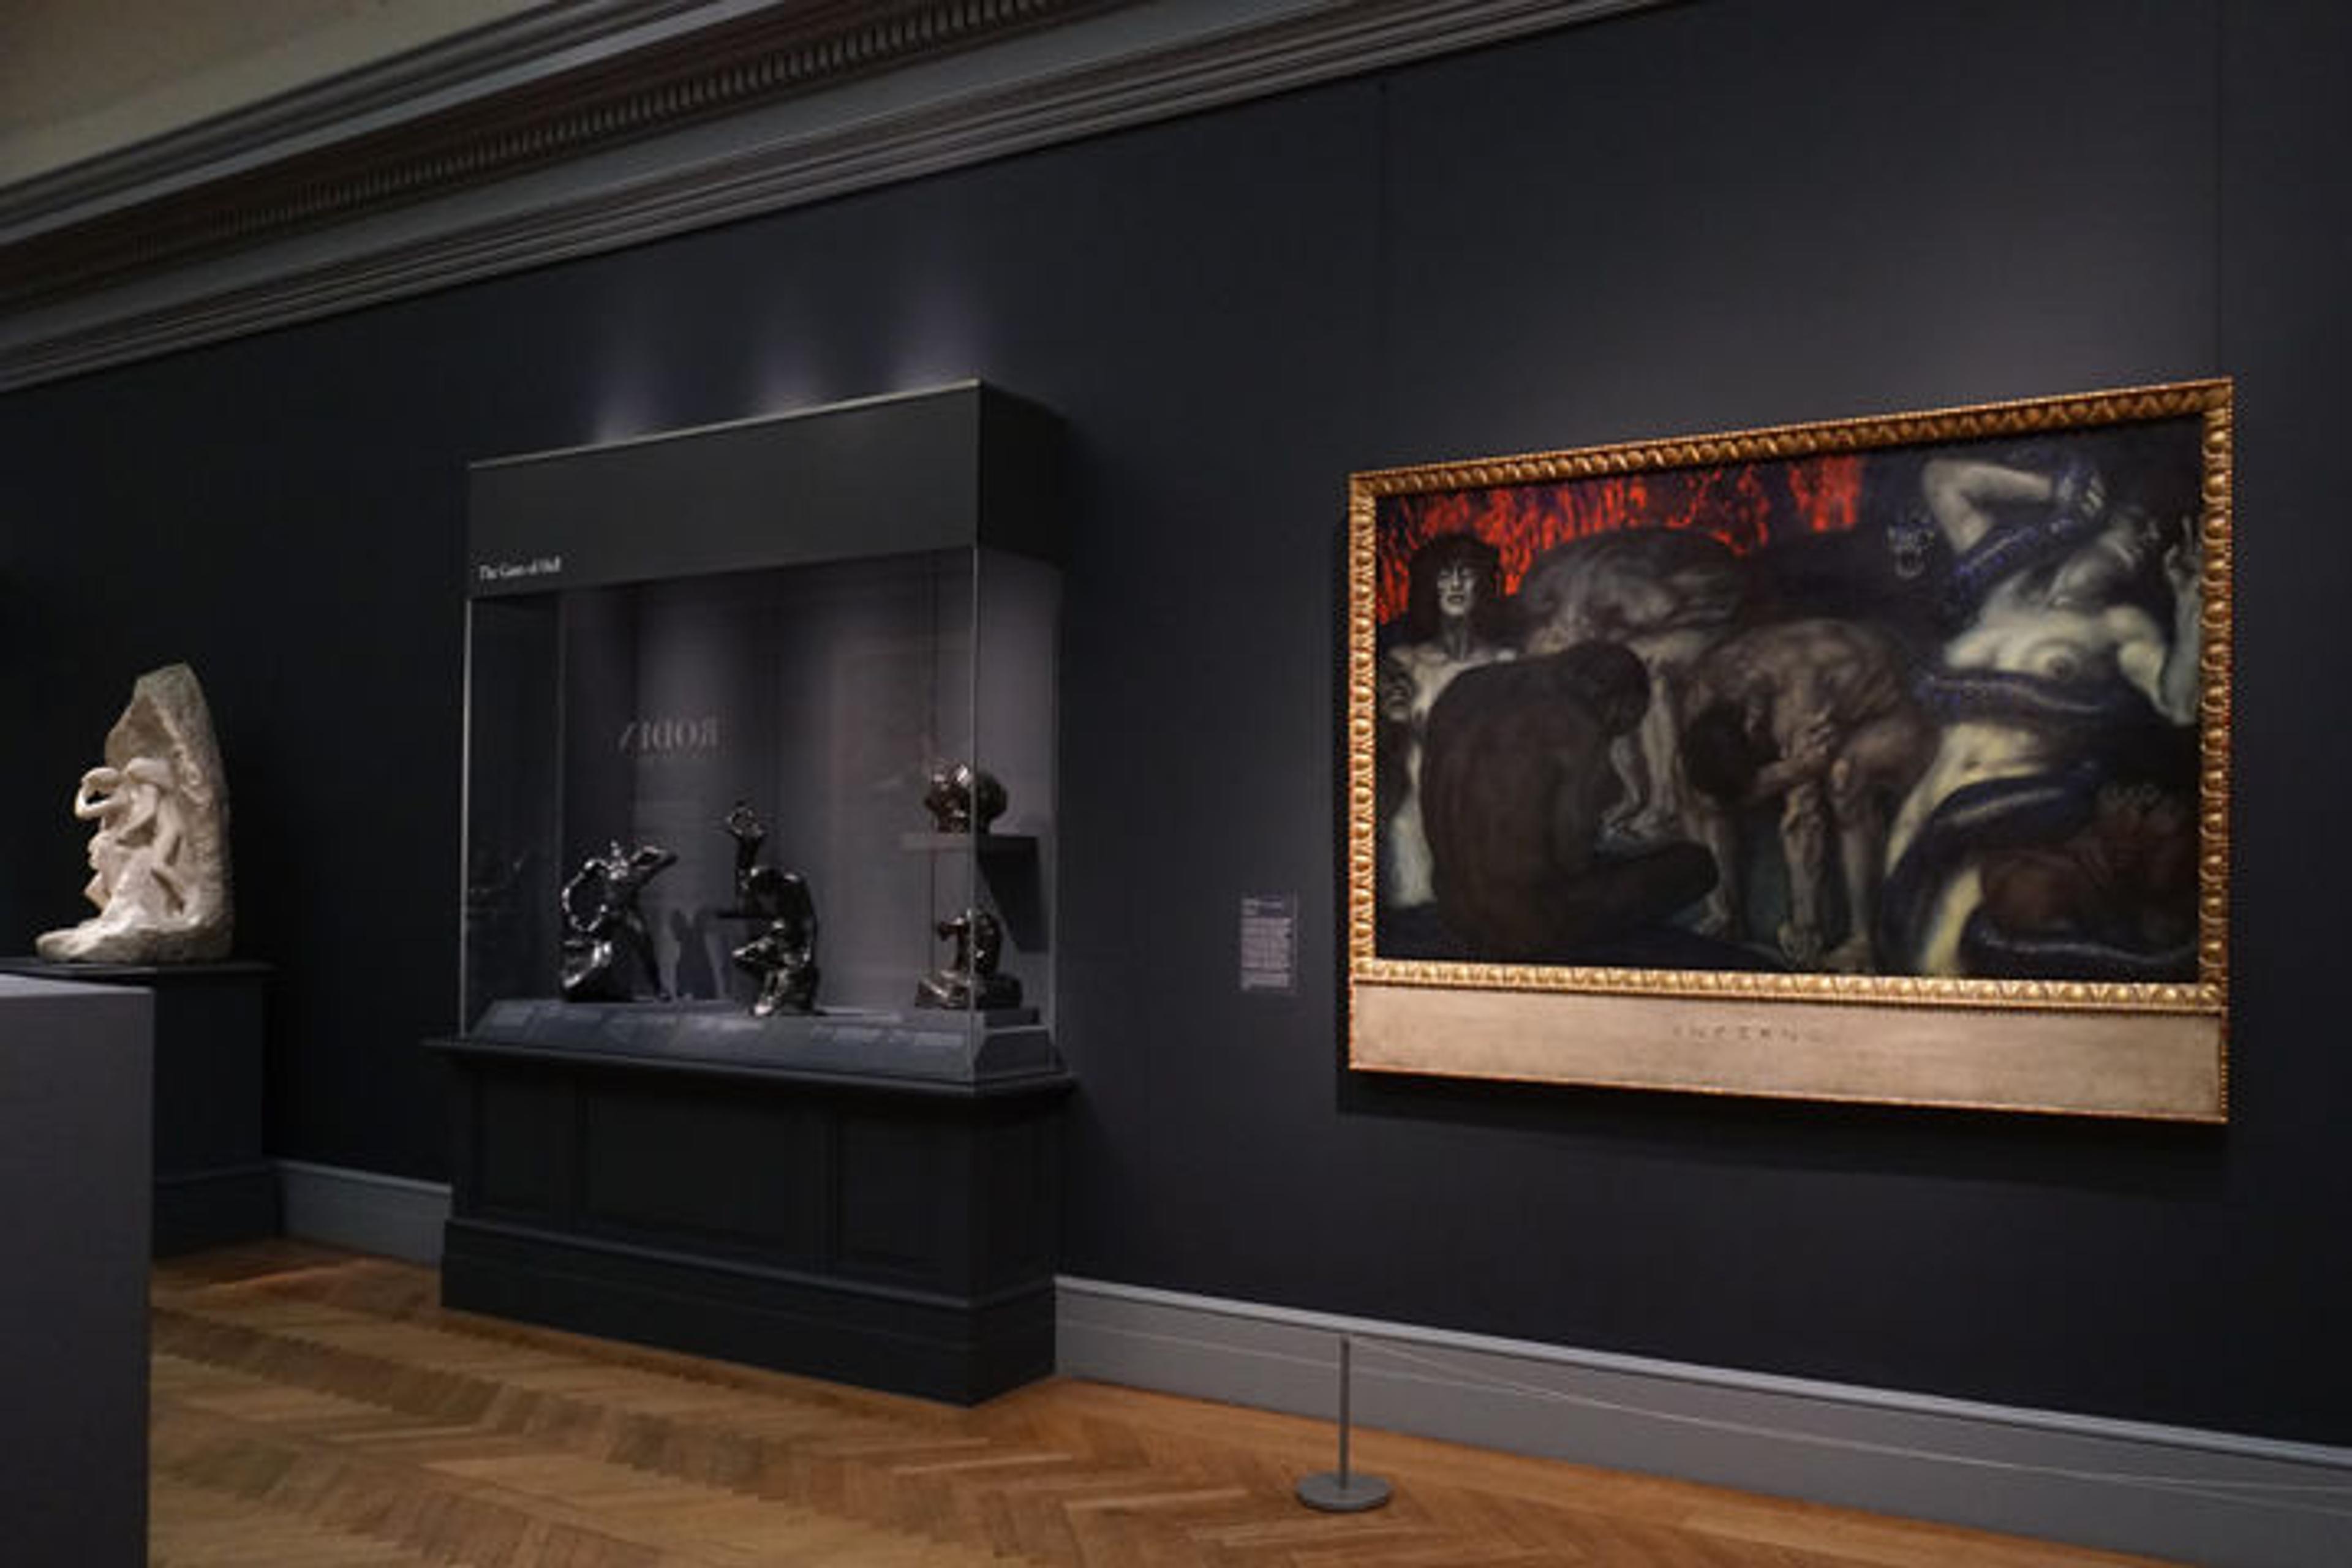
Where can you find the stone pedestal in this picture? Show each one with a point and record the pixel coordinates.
(74, 1087)
(214, 1181)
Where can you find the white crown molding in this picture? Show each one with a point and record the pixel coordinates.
(1026, 86)
(405, 88)
(525, 93)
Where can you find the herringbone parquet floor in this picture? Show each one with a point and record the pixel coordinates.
(315, 1408)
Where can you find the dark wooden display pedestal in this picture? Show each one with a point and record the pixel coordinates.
(214, 1181)
(898, 1233)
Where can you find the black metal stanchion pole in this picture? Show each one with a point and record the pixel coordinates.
(1340, 1490)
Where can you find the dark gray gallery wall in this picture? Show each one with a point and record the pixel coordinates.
(1718, 213)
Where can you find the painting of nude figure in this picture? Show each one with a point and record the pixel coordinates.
(1921, 717)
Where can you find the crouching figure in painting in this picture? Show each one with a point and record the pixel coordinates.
(1813, 716)
(1516, 780)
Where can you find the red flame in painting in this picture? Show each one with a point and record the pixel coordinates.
(1747, 506)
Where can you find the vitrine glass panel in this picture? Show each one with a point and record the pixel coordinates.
(800, 810)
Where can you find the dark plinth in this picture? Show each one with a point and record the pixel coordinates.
(652, 1174)
(74, 1196)
(913, 1047)
(214, 1181)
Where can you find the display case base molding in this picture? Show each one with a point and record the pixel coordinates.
(896, 1234)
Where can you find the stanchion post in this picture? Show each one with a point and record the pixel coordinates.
(1341, 1490)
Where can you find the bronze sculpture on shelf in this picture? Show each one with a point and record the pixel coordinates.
(971, 981)
(782, 956)
(964, 798)
(743, 825)
(612, 935)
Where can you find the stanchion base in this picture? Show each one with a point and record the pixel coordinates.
(1328, 1492)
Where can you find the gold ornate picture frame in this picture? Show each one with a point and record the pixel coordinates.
(1880, 759)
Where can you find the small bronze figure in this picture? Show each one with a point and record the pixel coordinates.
(612, 935)
(971, 981)
(743, 825)
(963, 799)
(783, 955)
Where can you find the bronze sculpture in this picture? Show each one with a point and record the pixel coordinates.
(611, 936)
(971, 981)
(782, 956)
(964, 798)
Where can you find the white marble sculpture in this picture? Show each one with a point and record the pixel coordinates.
(159, 861)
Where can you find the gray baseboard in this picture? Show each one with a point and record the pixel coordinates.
(2212, 1498)
(366, 1211)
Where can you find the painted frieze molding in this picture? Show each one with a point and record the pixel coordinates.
(573, 130)
(159, 859)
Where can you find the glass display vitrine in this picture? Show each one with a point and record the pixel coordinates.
(760, 743)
